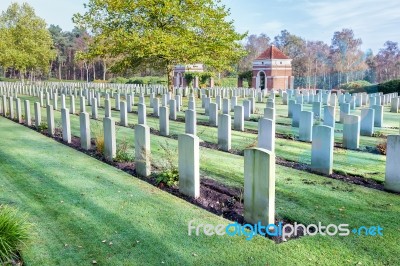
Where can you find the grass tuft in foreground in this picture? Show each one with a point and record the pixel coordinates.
(14, 232)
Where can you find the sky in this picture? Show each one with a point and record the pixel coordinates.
(374, 21)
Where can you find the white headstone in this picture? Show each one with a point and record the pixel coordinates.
(266, 134)
(329, 116)
(123, 115)
(189, 165)
(269, 113)
(164, 121)
(213, 118)
(238, 120)
(392, 177)
(50, 120)
(72, 104)
(297, 108)
(259, 186)
(142, 114)
(172, 109)
(38, 116)
(226, 106)
(142, 150)
(246, 109)
(66, 125)
(110, 145)
(156, 107)
(224, 132)
(18, 108)
(322, 149)
(190, 122)
(27, 106)
(367, 122)
(378, 118)
(84, 122)
(351, 132)
(306, 125)
(94, 108)
(344, 110)
(117, 102)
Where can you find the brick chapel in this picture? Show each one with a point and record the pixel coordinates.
(272, 69)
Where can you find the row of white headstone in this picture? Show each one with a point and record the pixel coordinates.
(320, 133)
(259, 185)
(322, 136)
(83, 89)
(266, 126)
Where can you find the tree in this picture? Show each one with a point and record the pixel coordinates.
(255, 45)
(27, 45)
(294, 47)
(370, 73)
(162, 32)
(388, 61)
(346, 53)
(316, 63)
(60, 42)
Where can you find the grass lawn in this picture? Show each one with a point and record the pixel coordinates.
(76, 202)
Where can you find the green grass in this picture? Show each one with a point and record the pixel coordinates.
(14, 233)
(76, 202)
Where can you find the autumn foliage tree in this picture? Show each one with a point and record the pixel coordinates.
(161, 32)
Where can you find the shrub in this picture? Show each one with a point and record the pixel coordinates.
(205, 76)
(14, 233)
(42, 127)
(119, 80)
(247, 76)
(354, 85)
(288, 136)
(122, 154)
(169, 174)
(318, 121)
(135, 81)
(378, 134)
(140, 80)
(389, 86)
(381, 147)
(98, 135)
(169, 177)
(99, 81)
(364, 86)
(255, 118)
(190, 76)
(99, 142)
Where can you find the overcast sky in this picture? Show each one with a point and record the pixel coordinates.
(374, 21)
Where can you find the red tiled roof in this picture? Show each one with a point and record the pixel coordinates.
(272, 53)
